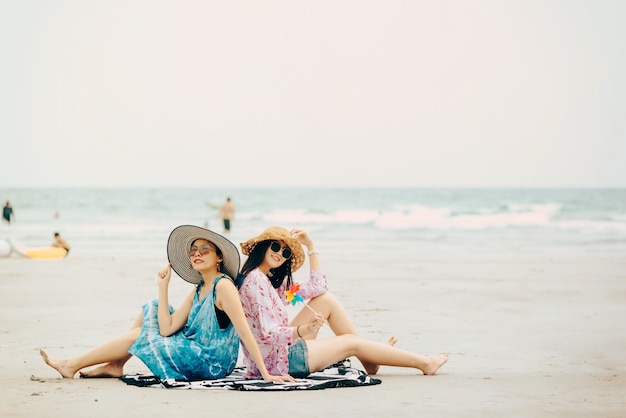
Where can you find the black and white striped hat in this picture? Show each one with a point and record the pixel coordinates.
(179, 243)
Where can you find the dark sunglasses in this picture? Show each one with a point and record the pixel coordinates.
(202, 250)
(275, 246)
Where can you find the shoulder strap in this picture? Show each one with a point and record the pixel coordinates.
(199, 286)
(217, 279)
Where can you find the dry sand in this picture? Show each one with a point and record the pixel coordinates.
(529, 335)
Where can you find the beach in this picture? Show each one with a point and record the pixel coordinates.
(460, 166)
(531, 332)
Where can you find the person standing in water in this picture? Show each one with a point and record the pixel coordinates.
(7, 213)
(226, 213)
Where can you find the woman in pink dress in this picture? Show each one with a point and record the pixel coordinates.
(292, 347)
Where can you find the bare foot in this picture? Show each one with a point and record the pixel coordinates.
(371, 368)
(106, 370)
(60, 365)
(435, 363)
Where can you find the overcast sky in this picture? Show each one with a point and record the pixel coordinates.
(312, 93)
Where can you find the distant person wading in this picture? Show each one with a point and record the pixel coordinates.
(226, 213)
(7, 213)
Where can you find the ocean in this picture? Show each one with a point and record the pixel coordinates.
(137, 222)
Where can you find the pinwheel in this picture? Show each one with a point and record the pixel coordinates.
(293, 297)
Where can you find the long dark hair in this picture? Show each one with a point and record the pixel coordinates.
(278, 275)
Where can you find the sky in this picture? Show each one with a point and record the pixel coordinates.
(291, 93)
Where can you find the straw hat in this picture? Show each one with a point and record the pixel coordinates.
(179, 243)
(278, 233)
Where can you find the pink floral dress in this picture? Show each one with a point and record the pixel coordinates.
(267, 316)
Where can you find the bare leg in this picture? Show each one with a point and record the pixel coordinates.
(109, 369)
(115, 368)
(113, 353)
(331, 309)
(330, 350)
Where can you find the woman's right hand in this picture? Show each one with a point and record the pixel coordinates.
(164, 276)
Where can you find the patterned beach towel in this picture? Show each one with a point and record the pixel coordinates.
(336, 376)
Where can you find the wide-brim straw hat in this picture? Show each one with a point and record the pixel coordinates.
(278, 233)
(179, 244)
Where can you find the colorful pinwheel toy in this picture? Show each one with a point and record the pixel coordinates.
(293, 296)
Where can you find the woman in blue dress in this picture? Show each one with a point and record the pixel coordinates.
(200, 339)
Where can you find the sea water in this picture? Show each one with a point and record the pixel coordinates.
(137, 222)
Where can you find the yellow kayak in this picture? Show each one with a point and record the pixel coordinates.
(37, 253)
(49, 253)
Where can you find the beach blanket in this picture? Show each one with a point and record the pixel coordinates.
(336, 376)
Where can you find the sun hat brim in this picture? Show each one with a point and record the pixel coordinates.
(278, 233)
(179, 243)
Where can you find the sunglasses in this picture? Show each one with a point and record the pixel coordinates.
(202, 250)
(275, 246)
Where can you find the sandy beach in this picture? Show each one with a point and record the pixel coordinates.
(460, 166)
(529, 334)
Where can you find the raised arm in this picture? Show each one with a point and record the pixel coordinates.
(171, 323)
(317, 283)
(305, 239)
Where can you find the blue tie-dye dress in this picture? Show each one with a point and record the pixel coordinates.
(200, 350)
